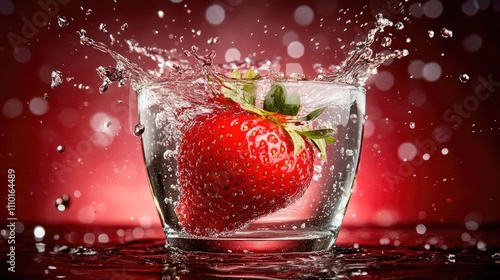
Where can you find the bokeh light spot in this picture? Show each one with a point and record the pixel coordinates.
(384, 80)
(417, 97)
(215, 14)
(22, 54)
(38, 106)
(6, 7)
(433, 9)
(295, 49)
(232, 54)
(303, 15)
(12, 108)
(407, 151)
(431, 71)
(472, 43)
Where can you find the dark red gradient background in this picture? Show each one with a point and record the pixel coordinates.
(101, 170)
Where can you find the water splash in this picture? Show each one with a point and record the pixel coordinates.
(363, 61)
(57, 78)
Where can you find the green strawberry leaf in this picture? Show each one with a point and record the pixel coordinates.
(314, 114)
(318, 133)
(320, 144)
(243, 90)
(292, 105)
(275, 98)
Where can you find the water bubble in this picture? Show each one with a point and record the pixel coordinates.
(430, 33)
(399, 26)
(62, 21)
(57, 78)
(464, 78)
(139, 129)
(354, 118)
(60, 148)
(446, 33)
(124, 26)
(62, 202)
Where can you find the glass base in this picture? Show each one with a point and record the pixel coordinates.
(251, 242)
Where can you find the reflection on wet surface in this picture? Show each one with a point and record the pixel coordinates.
(362, 253)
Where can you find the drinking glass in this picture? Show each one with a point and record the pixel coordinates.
(309, 224)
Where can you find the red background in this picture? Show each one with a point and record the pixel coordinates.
(102, 171)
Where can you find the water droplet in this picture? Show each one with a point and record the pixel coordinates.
(46, 95)
(161, 14)
(386, 41)
(430, 33)
(412, 125)
(349, 152)
(451, 258)
(400, 26)
(446, 33)
(88, 12)
(139, 129)
(57, 78)
(102, 28)
(354, 118)
(464, 78)
(62, 21)
(62, 202)
(124, 26)
(60, 148)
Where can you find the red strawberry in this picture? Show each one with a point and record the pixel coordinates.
(235, 167)
(243, 163)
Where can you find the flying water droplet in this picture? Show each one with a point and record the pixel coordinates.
(412, 125)
(124, 26)
(213, 40)
(464, 78)
(60, 148)
(386, 42)
(399, 26)
(57, 78)
(430, 33)
(88, 12)
(62, 202)
(446, 33)
(102, 28)
(46, 95)
(62, 21)
(139, 129)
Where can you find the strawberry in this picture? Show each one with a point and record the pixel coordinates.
(243, 163)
